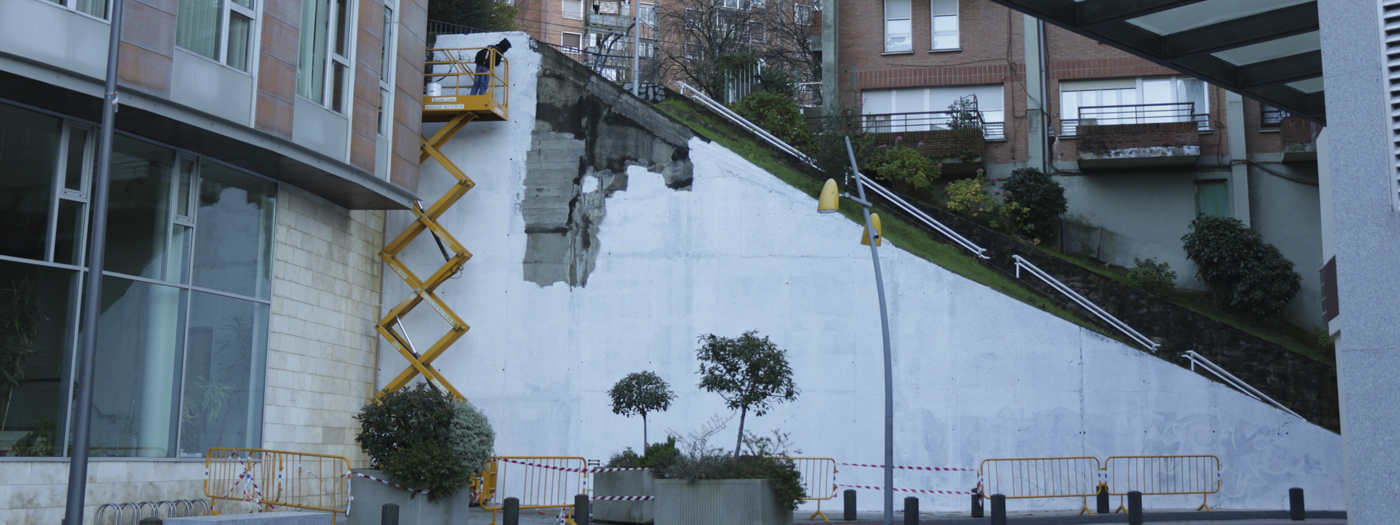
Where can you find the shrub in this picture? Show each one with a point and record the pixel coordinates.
(657, 456)
(975, 199)
(1242, 271)
(1152, 276)
(703, 462)
(431, 466)
(749, 372)
(1043, 198)
(904, 167)
(962, 114)
(777, 114)
(425, 439)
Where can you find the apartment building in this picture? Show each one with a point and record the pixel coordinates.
(1141, 149)
(257, 143)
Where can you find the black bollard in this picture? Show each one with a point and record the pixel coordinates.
(1134, 508)
(1103, 499)
(389, 514)
(911, 511)
(151, 521)
(1296, 511)
(581, 510)
(511, 513)
(850, 496)
(977, 505)
(998, 509)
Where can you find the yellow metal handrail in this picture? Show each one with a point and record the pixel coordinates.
(278, 478)
(816, 474)
(538, 482)
(1064, 477)
(1163, 475)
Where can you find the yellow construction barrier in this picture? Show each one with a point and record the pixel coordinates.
(818, 481)
(1066, 477)
(1163, 475)
(538, 482)
(275, 478)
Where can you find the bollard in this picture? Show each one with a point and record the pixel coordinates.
(512, 511)
(850, 514)
(151, 521)
(1296, 511)
(1134, 508)
(998, 509)
(581, 509)
(389, 514)
(911, 511)
(977, 505)
(1103, 499)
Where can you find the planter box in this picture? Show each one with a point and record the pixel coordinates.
(726, 501)
(370, 497)
(625, 483)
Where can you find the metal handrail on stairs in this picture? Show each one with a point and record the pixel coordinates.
(1021, 262)
(889, 196)
(1230, 379)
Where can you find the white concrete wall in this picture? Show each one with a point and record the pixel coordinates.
(977, 374)
(35, 492)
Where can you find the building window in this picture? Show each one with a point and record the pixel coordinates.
(1133, 101)
(898, 29)
(802, 14)
(573, 9)
(572, 43)
(648, 14)
(945, 24)
(758, 32)
(97, 8)
(220, 30)
(1212, 198)
(186, 298)
(386, 72)
(323, 61)
(930, 108)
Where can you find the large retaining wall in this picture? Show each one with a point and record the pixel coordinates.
(976, 374)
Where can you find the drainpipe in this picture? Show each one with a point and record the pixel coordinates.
(1045, 144)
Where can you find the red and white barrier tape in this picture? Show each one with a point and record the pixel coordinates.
(623, 498)
(940, 469)
(917, 491)
(566, 469)
(384, 481)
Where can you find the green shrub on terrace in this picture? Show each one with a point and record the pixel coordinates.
(1043, 198)
(1242, 271)
(1152, 276)
(777, 114)
(903, 167)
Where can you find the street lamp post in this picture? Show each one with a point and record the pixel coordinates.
(830, 202)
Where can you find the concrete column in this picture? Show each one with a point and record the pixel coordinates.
(1035, 105)
(831, 65)
(1239, 173)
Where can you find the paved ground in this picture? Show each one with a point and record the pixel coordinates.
(1219, 517)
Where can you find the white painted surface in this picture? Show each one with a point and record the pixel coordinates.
(977, 374)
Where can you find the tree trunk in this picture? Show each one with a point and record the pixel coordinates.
(644, 433)
(742, 412)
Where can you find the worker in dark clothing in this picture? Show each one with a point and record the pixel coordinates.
(483, 64)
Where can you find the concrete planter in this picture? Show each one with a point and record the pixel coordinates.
(625, 483)
(370, 497)
(727, 501)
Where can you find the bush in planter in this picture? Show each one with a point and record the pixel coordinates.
(657, 456)
(425, 438)
(1043, 198)
(764, 461)
(1242, 271)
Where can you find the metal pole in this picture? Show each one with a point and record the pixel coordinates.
(636, 46)
(92, 299)
(885, 331)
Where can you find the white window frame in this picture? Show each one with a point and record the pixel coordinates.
(934, 15)
(346, 61)
(802, 14)
(564, 9)
(69, 5)
(226, 12)
(564, 44)
(387, 66)
(909, 7)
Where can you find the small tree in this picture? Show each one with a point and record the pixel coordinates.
(639, 393)
(749, 372)
(1043, 197)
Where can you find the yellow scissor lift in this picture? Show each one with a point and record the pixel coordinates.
(449, 73)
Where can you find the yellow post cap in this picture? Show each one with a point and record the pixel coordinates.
(830, 200)
(879, 233)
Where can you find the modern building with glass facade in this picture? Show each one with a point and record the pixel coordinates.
(257, 143)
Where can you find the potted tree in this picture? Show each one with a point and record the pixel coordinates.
(423, 442)
(637, 393)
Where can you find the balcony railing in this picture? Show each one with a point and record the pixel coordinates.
(1135, 114)
(930, 121)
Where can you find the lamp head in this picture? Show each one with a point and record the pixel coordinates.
(879, 233)
(830, 200)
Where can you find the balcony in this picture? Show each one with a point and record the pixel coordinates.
(1137, 136)
(604, 20)
(957, 139)
(1298, 145)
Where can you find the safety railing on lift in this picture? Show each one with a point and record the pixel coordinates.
(889, 196)
(1235, 382)
(1136, 336)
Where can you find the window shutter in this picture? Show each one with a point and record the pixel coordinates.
(1391, 15)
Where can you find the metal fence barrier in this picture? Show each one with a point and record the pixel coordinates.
(1163, 475)
(818, 481)
(277, 478)
(1066, 477)
(538, 482)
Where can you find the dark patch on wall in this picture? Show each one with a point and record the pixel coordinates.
(586, 126)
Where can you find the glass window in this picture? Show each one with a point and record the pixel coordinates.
(200, 29)
(37, 316)
(233, 240)
(139, 212)
(898, 29)
(325, 48)
(223, 377)
(29, 153)
(945, 23)
(138, 358)
(97, 8)
(572, 9)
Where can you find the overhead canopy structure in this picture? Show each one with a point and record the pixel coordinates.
(1268, 50)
